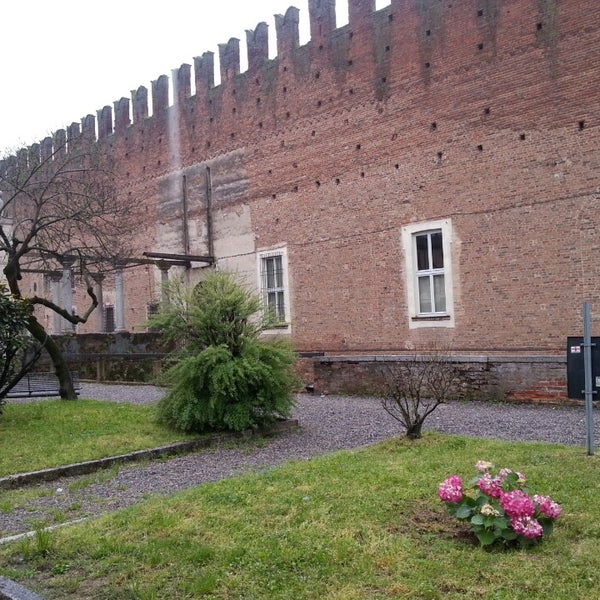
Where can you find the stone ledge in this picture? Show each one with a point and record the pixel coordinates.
(91, 466)
(464, 358)
(9, 590)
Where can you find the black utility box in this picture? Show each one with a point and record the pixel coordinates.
(575, 368)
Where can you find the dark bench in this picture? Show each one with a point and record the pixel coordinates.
(34, 385)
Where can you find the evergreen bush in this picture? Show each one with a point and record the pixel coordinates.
(225, 376)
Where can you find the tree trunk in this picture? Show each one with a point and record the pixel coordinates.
(413, 431)
(65, 383)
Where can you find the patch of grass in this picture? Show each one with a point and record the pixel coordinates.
(46, 434)
(365, 524)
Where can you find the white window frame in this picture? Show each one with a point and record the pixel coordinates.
(261, 256)
(409, 236)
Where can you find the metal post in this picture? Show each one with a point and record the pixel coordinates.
(587, 366)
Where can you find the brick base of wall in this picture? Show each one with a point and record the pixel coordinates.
(493, 378)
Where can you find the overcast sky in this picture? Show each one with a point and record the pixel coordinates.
(64, 59)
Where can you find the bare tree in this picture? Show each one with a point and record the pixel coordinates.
(59, 207)
(416, 386)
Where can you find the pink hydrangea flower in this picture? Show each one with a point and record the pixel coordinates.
(528, 527)
(517, 504)
(490, 486)
(450, 490)
(547, 506)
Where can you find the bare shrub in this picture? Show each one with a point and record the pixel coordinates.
(415, 387)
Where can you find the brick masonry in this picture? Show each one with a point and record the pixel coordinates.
(483, 112)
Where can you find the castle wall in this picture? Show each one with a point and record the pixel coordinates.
(480, 113)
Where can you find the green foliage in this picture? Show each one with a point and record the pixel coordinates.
(15, 360)
(226, 376)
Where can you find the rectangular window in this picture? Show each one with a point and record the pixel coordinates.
(109, 318)
(429, 273)
(273, 285)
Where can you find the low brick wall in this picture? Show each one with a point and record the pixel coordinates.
(498, 378)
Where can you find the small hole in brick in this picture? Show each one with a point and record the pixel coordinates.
(159, 163)
(144, 168)
(160, 140)
(295, 165)
(287, 115)
(434, 126)
(522, 136)
(390, 18)
(257, 81)
(232, 135)
(480, 147)
(581, 125)
(193, 150)
(350, 62)
(313, 133)
(282, 144)
(428, 32)
(211, 120)
(394, 136)
(234, 110)
(318, 183)
(362, 174)
(351, 91)
(321, 47)
(440, 155)
(539, 26)
(284, 89)
(270, 171)
(487, 110)
(317, 75)
(233, 92)
(319, 103)
(427, 65)
(480, 46)
(396, 166)
(351, 34)
(285, 69)
(358, 146)
(128, 176)
(346, 121)
(258, 101)
(295, 188)
(273, 196)
(260, 124)
(210, 101)
(387, 48)
(194, 127)
(383, 79)
(480, 12)
(208, 144)
(126, 154)
(337, 181)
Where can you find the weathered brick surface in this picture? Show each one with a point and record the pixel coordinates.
(482, 111)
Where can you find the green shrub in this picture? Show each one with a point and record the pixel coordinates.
(226, 377)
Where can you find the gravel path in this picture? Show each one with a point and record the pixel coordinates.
(326, 424)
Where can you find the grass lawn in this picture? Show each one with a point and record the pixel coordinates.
(352, 525)
(39, 435)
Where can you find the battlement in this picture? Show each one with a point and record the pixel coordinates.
(404, 43)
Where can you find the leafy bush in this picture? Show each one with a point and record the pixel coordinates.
(225, 375)
(18, 353)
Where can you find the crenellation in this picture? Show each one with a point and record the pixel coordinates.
(322, 25)
(88, 128)
(105, 122)
(204, 73)
(59, 142)
(182, 85)
(33, 155)
(287, 28)
(139, 101)
(46, 149)
(229, 58)
(359, 12)
(257, 43)
(122, 118)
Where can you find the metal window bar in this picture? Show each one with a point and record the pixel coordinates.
(272, 286)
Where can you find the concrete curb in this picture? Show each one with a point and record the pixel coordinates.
(91, 466)
(9, 590)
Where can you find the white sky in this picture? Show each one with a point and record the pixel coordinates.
(64, 59)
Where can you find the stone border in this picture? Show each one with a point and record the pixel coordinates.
(9, 590)
(91, 466)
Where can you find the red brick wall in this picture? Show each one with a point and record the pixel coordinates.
(481, 111)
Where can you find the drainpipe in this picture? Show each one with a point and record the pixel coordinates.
(209, 215)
